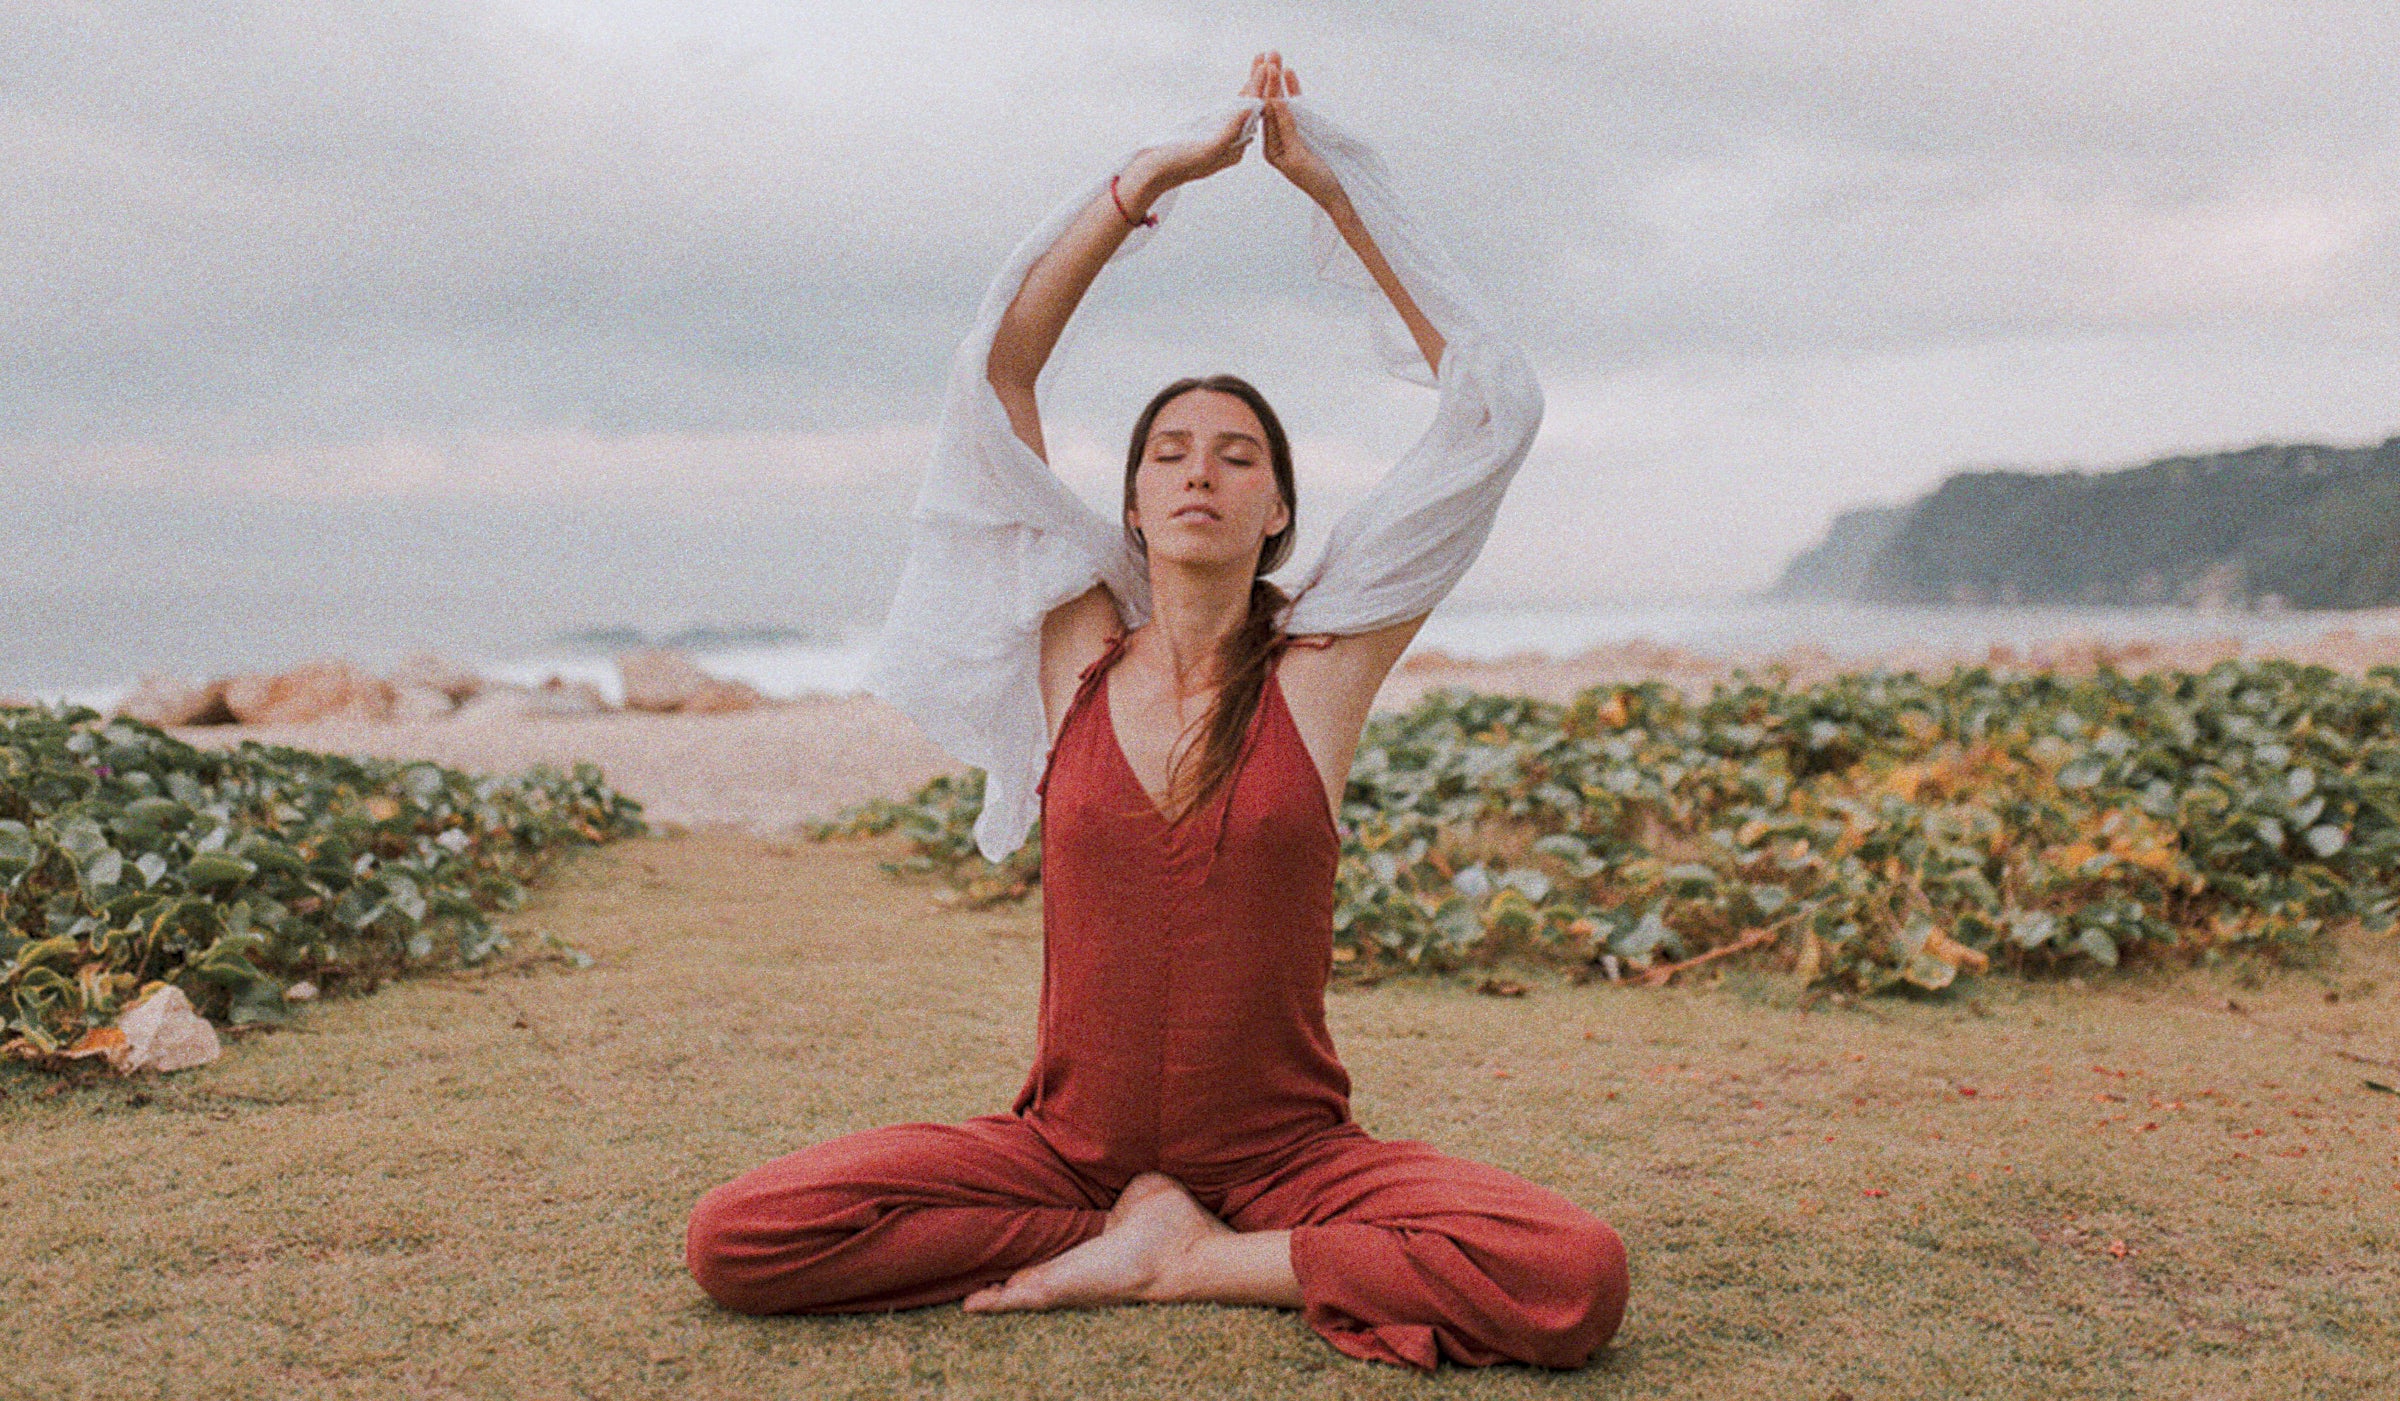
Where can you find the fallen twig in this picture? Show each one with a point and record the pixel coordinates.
(1657, 977)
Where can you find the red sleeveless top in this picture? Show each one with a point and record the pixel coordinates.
(1184, 966)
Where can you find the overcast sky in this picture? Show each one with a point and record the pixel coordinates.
(1770, 259)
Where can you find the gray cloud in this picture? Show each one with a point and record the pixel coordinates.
(1771, 258)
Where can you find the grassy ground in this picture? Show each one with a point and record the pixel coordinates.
(476, 1185)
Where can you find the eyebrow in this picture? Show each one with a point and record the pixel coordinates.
(1186, 432)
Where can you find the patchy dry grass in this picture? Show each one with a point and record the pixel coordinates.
(477, 1185)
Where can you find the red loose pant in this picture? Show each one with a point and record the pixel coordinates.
(1403, 1254)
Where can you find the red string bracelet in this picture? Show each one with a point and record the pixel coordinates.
(1145, 221)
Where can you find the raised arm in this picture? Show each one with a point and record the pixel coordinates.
(1287, 152)
(1054, 287)
(997, 543)
(1055, 284)
(1395, 554)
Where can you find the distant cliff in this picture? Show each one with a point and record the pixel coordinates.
(2299, 527)
(1836, 567)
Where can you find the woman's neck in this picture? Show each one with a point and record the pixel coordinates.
(1194, 612)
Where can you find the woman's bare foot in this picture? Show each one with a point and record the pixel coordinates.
(1154, 1223)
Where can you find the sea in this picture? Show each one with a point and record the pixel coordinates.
(831, 660)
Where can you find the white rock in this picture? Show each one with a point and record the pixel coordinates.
(163, 1033)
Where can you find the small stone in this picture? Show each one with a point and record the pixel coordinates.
(163, 1033)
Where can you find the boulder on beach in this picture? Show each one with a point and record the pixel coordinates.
(173, 700)
(432, 671)
(666, 681)
(321, 690)
(555, 697)
(411, 703)
(559, 696)
(721, 696)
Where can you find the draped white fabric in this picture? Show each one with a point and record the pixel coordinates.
(997, 540)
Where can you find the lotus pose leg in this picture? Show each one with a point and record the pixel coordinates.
(891, 1218)
(1407, 1255)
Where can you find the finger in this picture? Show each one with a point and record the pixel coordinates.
(1292, 78)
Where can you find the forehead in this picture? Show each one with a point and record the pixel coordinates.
(1205, 413)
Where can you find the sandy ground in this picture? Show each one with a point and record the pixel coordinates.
(475, 1185)
(768, 769)
(762, 770)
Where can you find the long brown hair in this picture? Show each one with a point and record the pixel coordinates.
(1246, 653)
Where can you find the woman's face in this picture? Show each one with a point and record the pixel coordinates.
(1205, 491)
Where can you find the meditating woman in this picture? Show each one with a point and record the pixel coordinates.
(1183, 730)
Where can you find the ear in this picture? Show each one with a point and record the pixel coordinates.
(1282, 519)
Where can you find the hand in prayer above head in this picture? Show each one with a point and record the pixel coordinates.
(1284, 149)
(1184, 162)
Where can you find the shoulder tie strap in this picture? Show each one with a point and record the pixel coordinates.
(1116, 644)
(1083, 691)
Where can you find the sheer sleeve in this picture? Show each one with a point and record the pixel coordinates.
(996, 540)
(1401, 549)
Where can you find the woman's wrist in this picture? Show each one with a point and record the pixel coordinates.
(1141, 182)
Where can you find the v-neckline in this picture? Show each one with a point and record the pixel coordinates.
(1116, 746)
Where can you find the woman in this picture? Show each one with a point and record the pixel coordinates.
(1184, 730)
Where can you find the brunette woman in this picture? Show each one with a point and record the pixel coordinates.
(1183, 728)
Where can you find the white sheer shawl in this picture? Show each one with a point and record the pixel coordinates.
(997, 540)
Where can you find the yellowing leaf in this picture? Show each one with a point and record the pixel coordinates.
(1957, 955)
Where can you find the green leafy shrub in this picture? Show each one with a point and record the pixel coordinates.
(939, 823)
(1884, 828)
(128, 857)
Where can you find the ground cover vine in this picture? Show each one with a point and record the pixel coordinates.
(129, 858)
(1871, 831)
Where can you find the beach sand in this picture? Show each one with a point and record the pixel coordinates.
(766, 770)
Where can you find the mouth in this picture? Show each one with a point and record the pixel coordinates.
(1196, 513)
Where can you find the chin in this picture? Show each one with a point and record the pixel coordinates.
(1206, 559)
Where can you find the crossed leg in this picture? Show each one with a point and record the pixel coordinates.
(1406, 1255)
(891, 1218)
(1393, 1251)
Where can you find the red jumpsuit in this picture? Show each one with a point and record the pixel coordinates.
(1182, 1031)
